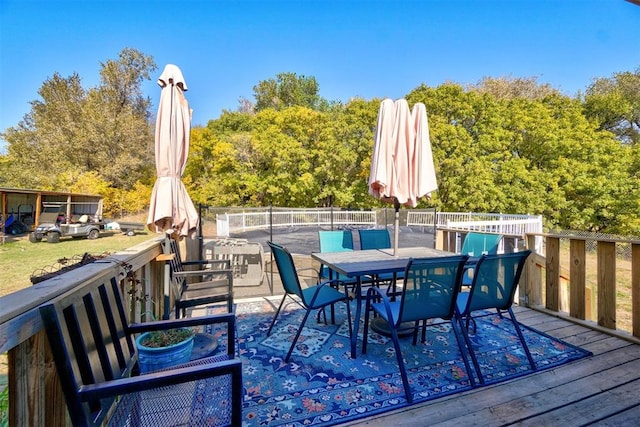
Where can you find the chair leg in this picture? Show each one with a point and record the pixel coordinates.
(365, 331)
(474, 359)
(516, 325)
(273, 322)
(416, 328)
(295, 339)
(463, 352)
(403, 370)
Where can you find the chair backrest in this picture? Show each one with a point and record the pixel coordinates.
(335, 241)
(431, 286)
(171, 246)
(495, 279)
(90, 341)
(245, 258)
(374, 239)
(287, 270)
(477, 244)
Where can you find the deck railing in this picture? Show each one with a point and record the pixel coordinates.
(556, 281)
(228, 223)
(595, 287)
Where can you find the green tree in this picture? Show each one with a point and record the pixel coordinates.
(614, 104)
(71, 130)
(288, 90)
(507, 88)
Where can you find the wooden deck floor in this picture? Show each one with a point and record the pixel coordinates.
(600, 390)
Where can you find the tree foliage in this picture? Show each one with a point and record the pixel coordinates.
(508, 145)
(614, 105)
(72, 133)
(287, 90)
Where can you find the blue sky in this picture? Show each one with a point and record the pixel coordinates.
(353, 48)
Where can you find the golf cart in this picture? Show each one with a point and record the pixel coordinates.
(55, 224)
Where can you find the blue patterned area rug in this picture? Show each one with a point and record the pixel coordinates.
(323, 386)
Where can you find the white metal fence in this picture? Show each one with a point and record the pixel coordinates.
(228, 223)
(238, 222)
(483, 222)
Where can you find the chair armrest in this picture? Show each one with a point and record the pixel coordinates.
(332, 283)
(180, 374)
(221, 263)
(187, 322)
(471, 261)
(158, 325)
(385, 300)
(193, 273)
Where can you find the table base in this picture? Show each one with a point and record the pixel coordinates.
(379, 325)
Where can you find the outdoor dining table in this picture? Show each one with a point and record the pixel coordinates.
(360, 263)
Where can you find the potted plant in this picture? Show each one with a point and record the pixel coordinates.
(160, 348)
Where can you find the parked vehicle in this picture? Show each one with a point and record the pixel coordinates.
(14, 226)
(54, 231)
(55, 225)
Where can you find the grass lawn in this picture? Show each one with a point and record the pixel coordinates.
(20, 259)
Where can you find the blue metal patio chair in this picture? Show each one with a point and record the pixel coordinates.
(430, 290)
(379, 239)
(475, 245)
(334, 241)
(494, 285)
(374, 239)
(311, 298)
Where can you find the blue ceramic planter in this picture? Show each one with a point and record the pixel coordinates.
(152, 359)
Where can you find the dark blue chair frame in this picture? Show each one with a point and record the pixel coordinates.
(494, 284)
(311, 298)
(430, 291)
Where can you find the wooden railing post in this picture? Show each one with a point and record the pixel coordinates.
(26, 363)
(607, 284)
(531, 294)
(553, 274)
(577, 279)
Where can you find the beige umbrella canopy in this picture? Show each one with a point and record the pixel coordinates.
(423, 171)
(171, 208)
(402, 169)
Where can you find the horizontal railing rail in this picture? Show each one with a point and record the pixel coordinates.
(239, 222)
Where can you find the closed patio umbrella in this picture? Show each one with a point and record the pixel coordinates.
(171, 208)
(423, 171)
(402, 164)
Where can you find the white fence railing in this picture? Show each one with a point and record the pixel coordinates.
(238, 222)
(246, 221)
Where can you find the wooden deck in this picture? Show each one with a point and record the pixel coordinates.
(600, 390)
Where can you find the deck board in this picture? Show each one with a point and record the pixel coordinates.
(603, 389)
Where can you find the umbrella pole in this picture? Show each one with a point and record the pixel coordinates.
(396, 226)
